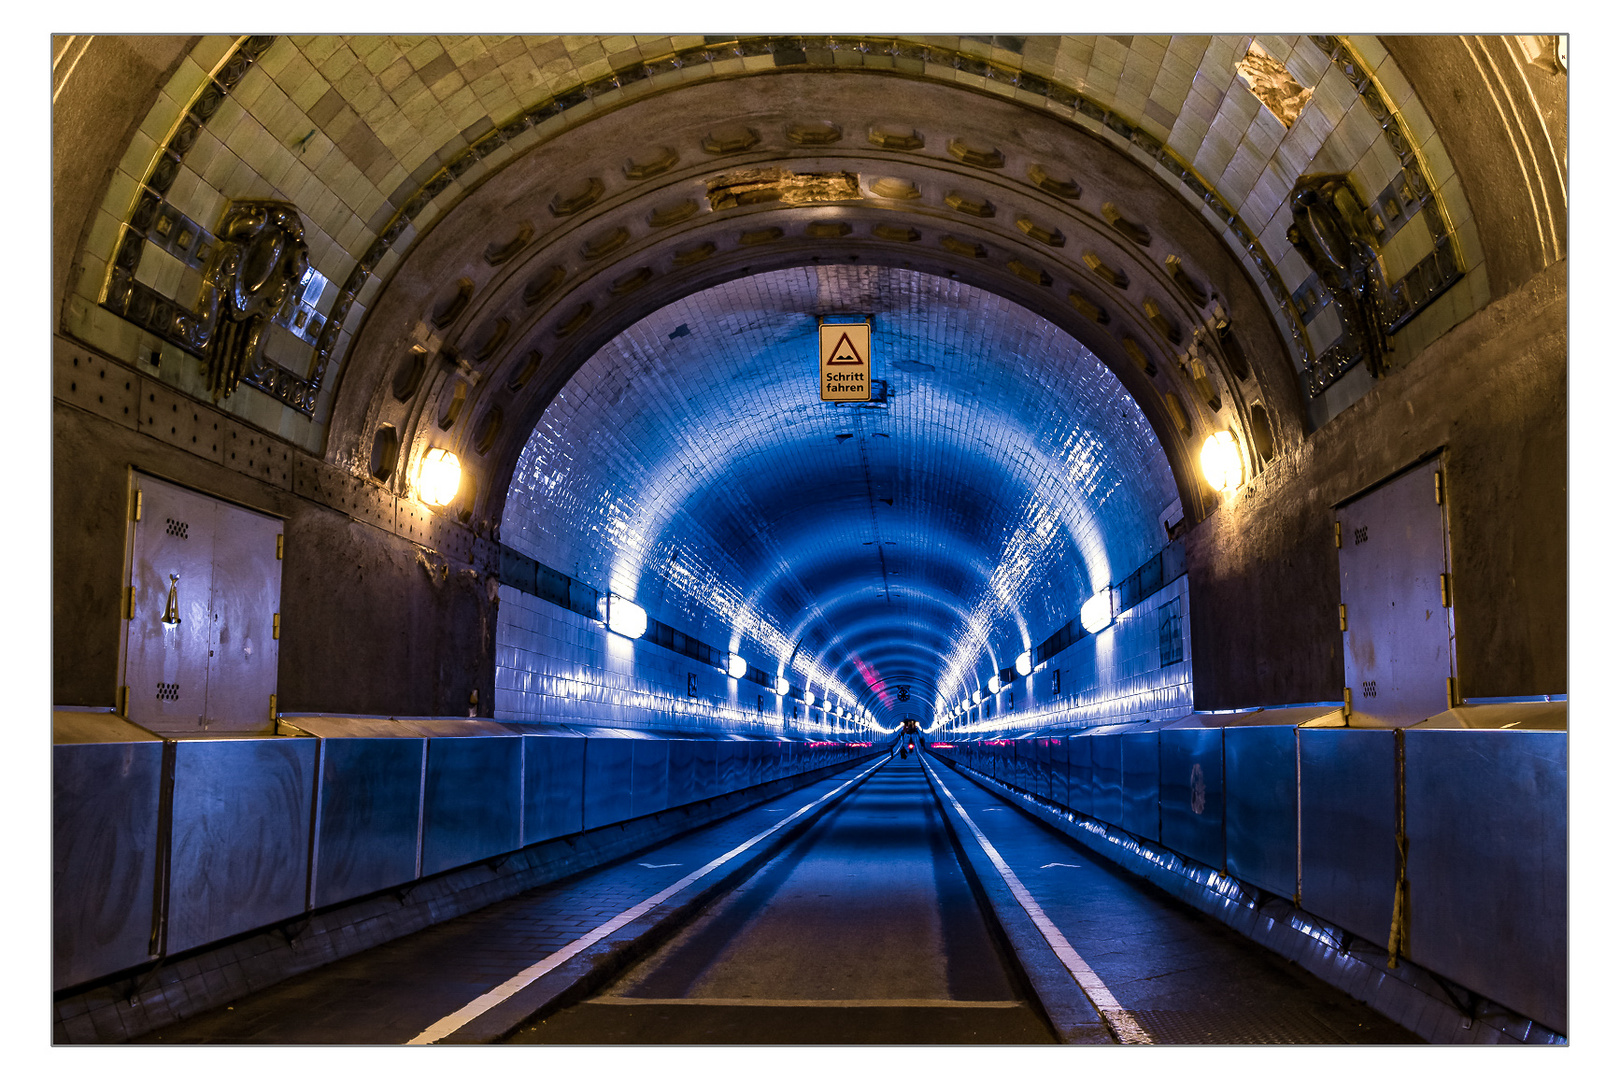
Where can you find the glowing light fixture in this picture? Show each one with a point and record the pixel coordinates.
(1098, 612)
(809, 698)
(1023, 664)
(1223, 464)
(781, 687)
(439, 477)
(736, 666)
(978, 696)
(625, 618)
(994, 684)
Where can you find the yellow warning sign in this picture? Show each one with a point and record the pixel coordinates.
(846, 361)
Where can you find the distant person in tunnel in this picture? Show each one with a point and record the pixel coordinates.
(908, 736)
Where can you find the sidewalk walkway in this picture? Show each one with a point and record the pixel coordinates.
(1156, 970)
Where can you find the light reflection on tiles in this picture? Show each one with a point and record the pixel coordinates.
(1010, 477)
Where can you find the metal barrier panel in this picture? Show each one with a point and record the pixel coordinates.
(367, 817)
(756, 763)
(1139, 783)
(1192, 794)
(1042, 765)
(649, 777)
(608, 764)
(104, 841)
(733, 767)
(1347, 828)
(706, 769)
(240, 850)
(684, 786)
(1082, 781)
(472, 807)
(553, 787)
(1107, 792)
(1487, 824)
(1262, 821)
(1058, 751)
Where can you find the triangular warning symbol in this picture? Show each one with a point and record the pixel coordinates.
(844, 353)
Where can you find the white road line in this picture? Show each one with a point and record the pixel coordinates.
(1124, 1025)
(481, 1004)
(1046, 866)
(658, 865)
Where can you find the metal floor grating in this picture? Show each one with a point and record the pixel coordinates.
(1209, 1027)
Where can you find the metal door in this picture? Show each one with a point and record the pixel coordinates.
(1394, 583)
(205, 586)
(167, 637)
(245, 599)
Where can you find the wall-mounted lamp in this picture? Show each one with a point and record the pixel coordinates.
(1222, 462)
(439, 477)
(994, 684)
(736, 666)
(1098, 612)
(781, 686)
(624, 617)
(978, 696)
(1023, 665)
(809, 698)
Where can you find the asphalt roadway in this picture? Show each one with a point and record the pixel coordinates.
(863, 931)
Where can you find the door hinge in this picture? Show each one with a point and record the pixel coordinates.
(129, 602)
(275, 627)
(278, 545)
(123, 701)
(1347, 702)
(1344, 622)
(1338, 535)
(1439, 490)
(1445, 590)
(272, 708)
(137, 504)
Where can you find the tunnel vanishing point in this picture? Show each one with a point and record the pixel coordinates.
(446, 498)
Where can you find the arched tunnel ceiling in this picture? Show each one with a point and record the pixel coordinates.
(923, 541)
(598, 239)
(577, 184)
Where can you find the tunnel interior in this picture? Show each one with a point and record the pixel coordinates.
(889, 556)
(443, 502)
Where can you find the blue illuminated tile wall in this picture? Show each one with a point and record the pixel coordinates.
(555, 666)
(689, 466)
(1117, 676)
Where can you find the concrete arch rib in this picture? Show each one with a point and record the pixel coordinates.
(1033, 251)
